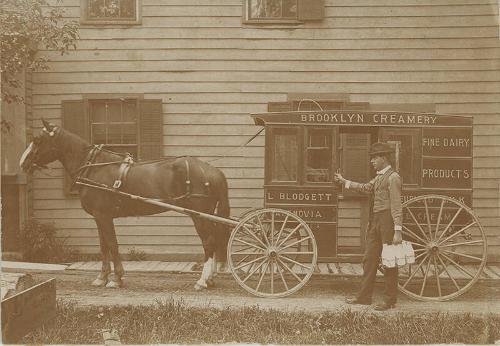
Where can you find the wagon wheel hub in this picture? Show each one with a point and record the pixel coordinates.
(272, 253)
(433, 246)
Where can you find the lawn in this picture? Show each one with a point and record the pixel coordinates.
(173, 322)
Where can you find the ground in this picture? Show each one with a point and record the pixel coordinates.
(322, 293)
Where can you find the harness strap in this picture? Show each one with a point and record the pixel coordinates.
(123, 170)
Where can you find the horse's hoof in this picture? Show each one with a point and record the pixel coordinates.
(99, 282)
(113, 284)
(199, 287)
(210, 283)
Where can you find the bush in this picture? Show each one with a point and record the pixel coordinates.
(39, 243)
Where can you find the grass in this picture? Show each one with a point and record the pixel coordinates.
(174, 322)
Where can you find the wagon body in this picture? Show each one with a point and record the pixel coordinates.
(433, 154)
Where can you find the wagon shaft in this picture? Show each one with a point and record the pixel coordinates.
(162, 204)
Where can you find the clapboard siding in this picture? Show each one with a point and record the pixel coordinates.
(212, 71)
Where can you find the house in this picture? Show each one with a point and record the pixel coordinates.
(172, 78)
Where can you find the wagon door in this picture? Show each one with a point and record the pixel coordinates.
(300, 162)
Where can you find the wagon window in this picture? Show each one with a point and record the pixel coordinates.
(114, 124)
(318, 155)
(407, 157)
(284, 155)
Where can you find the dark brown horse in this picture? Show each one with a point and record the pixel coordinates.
(186, 182)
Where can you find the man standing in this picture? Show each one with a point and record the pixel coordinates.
(384, 227)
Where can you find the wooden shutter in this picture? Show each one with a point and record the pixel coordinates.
(355, 163)
(75, 120)
(150, 129)
(311, 9)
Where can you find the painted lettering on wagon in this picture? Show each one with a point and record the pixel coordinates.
(300, 196)
(452, 142)
(446, 142)
(369, 118)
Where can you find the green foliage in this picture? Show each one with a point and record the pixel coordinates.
(27, 27)
(40, 244)
(173, 322)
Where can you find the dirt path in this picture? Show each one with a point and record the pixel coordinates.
(322, 293)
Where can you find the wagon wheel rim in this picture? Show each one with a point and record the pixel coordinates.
(272, 253)
(450, 248)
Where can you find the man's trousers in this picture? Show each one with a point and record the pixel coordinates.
(380, 231)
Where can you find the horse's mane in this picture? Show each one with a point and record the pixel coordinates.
(73, 144)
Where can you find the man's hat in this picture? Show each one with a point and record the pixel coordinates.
(380, 148)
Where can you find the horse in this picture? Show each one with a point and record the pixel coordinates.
(183, 181)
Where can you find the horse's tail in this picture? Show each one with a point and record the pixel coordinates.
(223, 208)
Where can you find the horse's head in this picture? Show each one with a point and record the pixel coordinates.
(42, 150)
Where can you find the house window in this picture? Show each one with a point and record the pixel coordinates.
(283, 11)
(272, 9)
(110, 11)
(114, 124)
(122, 124)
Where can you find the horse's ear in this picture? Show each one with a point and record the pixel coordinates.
(48, 126)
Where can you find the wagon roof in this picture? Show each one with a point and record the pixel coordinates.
(362, 118)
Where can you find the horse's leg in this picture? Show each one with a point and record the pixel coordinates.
(102, 278)
(213, 271)
(208, 242)
(108, 231)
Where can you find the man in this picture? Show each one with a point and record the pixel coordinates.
(384, 227)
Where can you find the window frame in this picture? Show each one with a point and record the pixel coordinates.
(416, 150)
(111, 146)
(313, 11)
(333, 133)
(270, 141)
(84, 17)
(247, 19)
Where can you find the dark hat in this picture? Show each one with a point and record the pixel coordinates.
(380, 148)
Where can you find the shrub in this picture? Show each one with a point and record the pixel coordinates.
(39, 243)
(136, 255)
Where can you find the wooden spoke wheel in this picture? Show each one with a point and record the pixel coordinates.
(272, 253)
(450, 248)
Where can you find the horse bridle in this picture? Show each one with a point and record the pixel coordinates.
(52, 146)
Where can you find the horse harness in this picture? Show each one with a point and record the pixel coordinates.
(123, 170)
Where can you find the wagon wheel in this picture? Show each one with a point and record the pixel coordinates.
(272, 253)
(449, 244)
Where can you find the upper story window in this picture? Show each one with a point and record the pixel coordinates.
(283, 11)
(110, 11)
(272, 9)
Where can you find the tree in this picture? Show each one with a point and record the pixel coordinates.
(26, 27)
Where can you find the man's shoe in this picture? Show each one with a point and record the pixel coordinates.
(384, 306)
(356, 300)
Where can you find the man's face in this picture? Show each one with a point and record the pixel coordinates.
(378, 162)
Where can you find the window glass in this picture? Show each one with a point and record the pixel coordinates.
(111, 9)
(114, 124)
(318, 155)
(272, 9)
(407, 155)
(285, 155)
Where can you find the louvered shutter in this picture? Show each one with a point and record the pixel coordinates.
(150, 129)
(355, 158)
(75, 120)
(311, 9)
